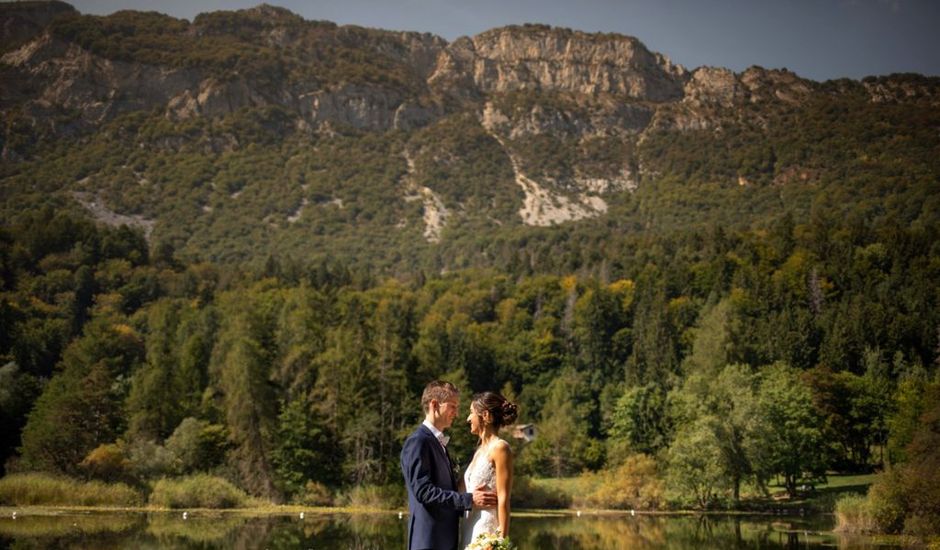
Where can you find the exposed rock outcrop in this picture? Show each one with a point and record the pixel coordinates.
(764, 85)
(713, 86)
(66, 76)
(903, 88)
(214, 98)
(100, 212)
(546, 59)
(597, 117)
(543, 206)
(365, 107)
(714, 93)
(720, 87)
(435, 213)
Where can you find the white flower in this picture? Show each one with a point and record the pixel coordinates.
(489, 541)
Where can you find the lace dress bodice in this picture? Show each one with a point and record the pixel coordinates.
(481, 471)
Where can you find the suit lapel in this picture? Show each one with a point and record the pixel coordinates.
(450, 468)
(442, 455)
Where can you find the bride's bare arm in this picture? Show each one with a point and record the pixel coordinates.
(502, 458)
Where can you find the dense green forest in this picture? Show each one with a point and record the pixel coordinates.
(730, 357)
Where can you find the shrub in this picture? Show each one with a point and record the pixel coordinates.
(315, 494)
(886, 503)
(373, 496)
(198, 445)
(198, 491)
(632, 485)
(529, 494)
(853, 515)
(149, 460)
(44, 489)
(922, 525)
(107, 462)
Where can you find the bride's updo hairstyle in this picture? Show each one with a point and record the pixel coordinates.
(502, 411)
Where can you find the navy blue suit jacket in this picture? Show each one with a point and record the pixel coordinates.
(434, 504)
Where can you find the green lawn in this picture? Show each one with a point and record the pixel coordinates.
(836, 481)
(848, 482)
(821, 499)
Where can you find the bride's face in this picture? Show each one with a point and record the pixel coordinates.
(476, 421)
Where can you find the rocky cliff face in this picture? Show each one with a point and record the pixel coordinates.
(622, 81)
(550, 59)
(903, 89)
(710, 86)
(65, 75)
(713, 94)
(558, 60)
(58, 74)
(585, 118)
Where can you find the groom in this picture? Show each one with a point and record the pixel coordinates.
(434, 503)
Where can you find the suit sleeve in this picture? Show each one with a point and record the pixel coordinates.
(415, 463)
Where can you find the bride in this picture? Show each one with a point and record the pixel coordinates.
(491, 465)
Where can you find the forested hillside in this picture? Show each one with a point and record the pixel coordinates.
(252, 265)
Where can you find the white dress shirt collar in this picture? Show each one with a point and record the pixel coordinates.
(437, 433)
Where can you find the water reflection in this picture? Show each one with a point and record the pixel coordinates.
(380, 531)
(201, 530)
(69, 531)
(681, 533)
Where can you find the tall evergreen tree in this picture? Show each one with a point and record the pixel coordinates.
(82, 406)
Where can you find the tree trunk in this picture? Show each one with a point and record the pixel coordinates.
(790, 482)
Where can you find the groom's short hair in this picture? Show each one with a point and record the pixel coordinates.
(439, 390)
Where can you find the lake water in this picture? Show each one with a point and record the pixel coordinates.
(204, 530)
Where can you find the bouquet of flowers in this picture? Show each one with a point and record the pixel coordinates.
(490, 541)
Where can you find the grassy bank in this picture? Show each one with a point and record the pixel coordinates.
(578, 492)
(198, 491)
(48, 490)
(39, 490)
(587, 492)
(823, 497)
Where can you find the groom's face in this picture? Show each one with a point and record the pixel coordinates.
(447, 412)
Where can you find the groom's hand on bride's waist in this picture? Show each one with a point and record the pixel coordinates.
(484, 498)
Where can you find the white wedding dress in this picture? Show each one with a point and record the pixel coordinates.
(481, 471)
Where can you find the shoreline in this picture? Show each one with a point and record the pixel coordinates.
(282, 510)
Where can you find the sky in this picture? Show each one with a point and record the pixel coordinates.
(817, 39)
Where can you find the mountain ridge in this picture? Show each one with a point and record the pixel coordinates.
(501, 60)
(165, 121)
